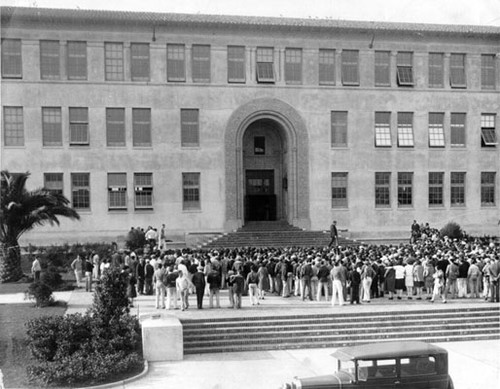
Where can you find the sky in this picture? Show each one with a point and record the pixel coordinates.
(472, 12)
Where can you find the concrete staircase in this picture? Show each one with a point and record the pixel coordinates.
(273, 234)
(339, 329)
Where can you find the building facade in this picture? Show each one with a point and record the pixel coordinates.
(206, 122)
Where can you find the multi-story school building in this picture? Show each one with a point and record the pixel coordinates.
(207, 122)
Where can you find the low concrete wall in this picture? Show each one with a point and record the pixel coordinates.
(162, 337)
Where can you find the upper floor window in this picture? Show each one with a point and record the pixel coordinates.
(78, 126)
(488, 78)
(115, 127)
(13, 126)
(339, 190)
(141, 127)
(117, 190)
(383, 129)
(350, 67)
(113, 57)
(405, 129)
(488, 131)
(382, 189)
(139, 61)
(50, 61)
(339, 128)
(436, 180)
(143, 188)
(201, 63)
(12, 58)
(404, 66)
(405, 189)
(190, 128)
(293, 66)
(326, 66)
(176, 63)
(265, 64)
(457, 71)
(77, 60)
(191, 191)
(436, 130)
(488, 188)
(457, 189)
(436, 70)
(51, 126)
(80, 190)
(53, 182)
(236, 64)
(382, 68)
(457, 129)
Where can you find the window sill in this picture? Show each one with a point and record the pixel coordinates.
(191, 211)
(14, 147)
(145, 210)
(117, 210)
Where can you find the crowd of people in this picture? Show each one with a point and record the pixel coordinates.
(429, 267)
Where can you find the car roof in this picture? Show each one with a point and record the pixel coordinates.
(387, 350)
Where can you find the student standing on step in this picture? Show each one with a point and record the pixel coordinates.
(337, 290)
(334, 235)
(238, 288)
(199, 284)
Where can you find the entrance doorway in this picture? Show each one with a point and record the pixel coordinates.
(260, 199)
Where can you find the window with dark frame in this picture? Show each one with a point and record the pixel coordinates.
(139, 62)
(326, 66)
(200, 62)
(457, 129)
(488, 130)
(265, 65)
(77, 60)
(53, 182)
(488, 73)
(78, 126)
(236, 64)
(113, 61)
(350, 67)
(115, 127)
(117, 191)
(12, 64)
(457, 71)
(457, 189)
(405, 129)
(80, 191)
(141, 127)
(436, 181)
(383, 129)
(382, 189)
(339, 129)
(488, 188)
(51, 126)
(436, 129)
(143, 189)
(293, 66)
(339, 190)
(382, 68)
(50, 60)
(13, 126)
(191, 191)
(405, 189)
(176, 63)
(436, 70)
(404, 67)
(259, 145)
(190, 128)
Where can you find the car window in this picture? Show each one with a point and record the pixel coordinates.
(375, 369)
(417, 366)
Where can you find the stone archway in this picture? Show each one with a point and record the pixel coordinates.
(296, 159)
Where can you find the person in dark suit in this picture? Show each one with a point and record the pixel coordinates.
(334, 235)
(199, 284)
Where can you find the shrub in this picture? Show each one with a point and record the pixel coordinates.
(110, 297)
(52, 278)
(452, 230)
(41, 293)
(136, 239)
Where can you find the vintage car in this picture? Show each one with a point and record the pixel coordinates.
(401, 365)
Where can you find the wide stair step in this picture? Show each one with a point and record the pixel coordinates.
(336, 330)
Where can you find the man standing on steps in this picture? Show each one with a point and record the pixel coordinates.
(334, 235)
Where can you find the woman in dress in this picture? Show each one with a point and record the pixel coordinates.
(263, 274)
(390, 279)
(400, 278)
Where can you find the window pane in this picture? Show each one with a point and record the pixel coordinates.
(190, 128)
(49, 60)
(488, 71)
(236, 64)
(11, 58)
(404, 68)
(383, 129)
(265, 64)
(139, 61)
(488, 131)
(382, 68)
(293, 66)
(53, 182)
(13, 126)
(326, 67)
(487, 188)
(80, 190)
(77, 60)
(201, 63)
(113, 61)
(436, 188)
(405, 129)
(117, 190)
(115, 126)
(436, 130)
(176, 67)
(339, 128)
(457, 71)
(141, 127)
(436, 70)
(339, 190)
(457, 189)
(457, 135)
(191, 191)
(143, 187)
(51, 127)
(405, 189)
(78, 126)
(350, 67)
(382, 189)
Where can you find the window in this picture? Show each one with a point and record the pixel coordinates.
(113, 53)
(419, 366)
(457, 189)
(51, 126)
(12, 58)
(49, 60)
(13, 126)
(405, 189)
(139, 61)
(53, 182)
(382, 68)
(115, 127)
(117, 190)
(259, 145)
(236, 68)
(488, 71)
(487, 188)
(382, 189)
(326, 67)
(141, 127)
(457, 71)
(143, 187)
(383, 129)
(350, 67)
(191, 191)
(265, 64)
(436, 189)
(190, 131)
(77, 60)
(78, 126)
(339, 190)
(404, 65)
(457, 130)
(405, 129)
(488, 133)
(436, 130)
(339, 129)
(176, 65)
(80, 190)
(293, 66)
(201, 63)
(436, 70)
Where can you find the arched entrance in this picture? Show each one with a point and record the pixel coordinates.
(284, 160)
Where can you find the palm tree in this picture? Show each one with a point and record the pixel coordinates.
(20, 211)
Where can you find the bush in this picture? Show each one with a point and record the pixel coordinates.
(41, 293)
(452, 230)
(52, 278)
(110, 297)
(136, 239)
